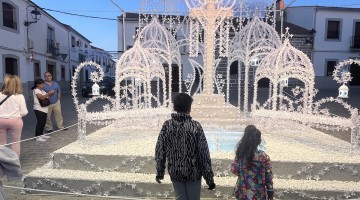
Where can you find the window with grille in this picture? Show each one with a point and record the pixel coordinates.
(9, 19)
(73, 41)
(11, 66)
(333, 29)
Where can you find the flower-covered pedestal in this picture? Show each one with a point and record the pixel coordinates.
(119, 162)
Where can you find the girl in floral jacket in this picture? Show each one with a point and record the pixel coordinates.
(253, 168)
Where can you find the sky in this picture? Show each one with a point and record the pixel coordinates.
(103, 33)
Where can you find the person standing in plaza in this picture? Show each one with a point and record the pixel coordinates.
(12, 109)
(9, 167)
(253, 168)
(55, 105)
(40, 112)
(182, 143)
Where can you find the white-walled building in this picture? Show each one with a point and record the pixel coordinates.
(337, 39)
(80, 50)
(30, 46)
(103, 58)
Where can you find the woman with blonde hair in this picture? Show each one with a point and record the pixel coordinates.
(12, 109)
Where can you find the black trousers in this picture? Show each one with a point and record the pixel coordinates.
(41, 121)
(187, 190)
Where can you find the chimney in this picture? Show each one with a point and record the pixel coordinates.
(280, 5)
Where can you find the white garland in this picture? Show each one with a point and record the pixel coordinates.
(340, 74)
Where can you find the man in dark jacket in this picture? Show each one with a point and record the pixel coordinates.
(183, 144)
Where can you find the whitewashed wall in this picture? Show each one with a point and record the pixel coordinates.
(324, 49)
(15, 43)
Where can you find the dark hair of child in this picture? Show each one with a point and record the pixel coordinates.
(182, 103)
(248, 144)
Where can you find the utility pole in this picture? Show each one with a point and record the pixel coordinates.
(282, 8)
(123, 24)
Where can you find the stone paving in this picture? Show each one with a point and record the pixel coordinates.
(35, 154)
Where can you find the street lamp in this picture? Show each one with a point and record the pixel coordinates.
(36, 15)
(123, 23)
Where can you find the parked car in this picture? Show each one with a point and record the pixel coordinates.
(106, 87)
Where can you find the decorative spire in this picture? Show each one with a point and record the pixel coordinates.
(287, 35)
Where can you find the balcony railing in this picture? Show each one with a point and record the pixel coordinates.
(52, 47)
(355, 42)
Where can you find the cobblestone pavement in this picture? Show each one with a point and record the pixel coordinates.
(35, 154)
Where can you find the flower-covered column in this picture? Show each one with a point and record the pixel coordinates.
(82, 122)
(211, 15)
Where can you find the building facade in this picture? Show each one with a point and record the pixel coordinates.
(33, 42)
(337, 38)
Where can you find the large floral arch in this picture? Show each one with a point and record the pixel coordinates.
(253, 42)
(162, 44)
(283, 63)
(139, 67)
